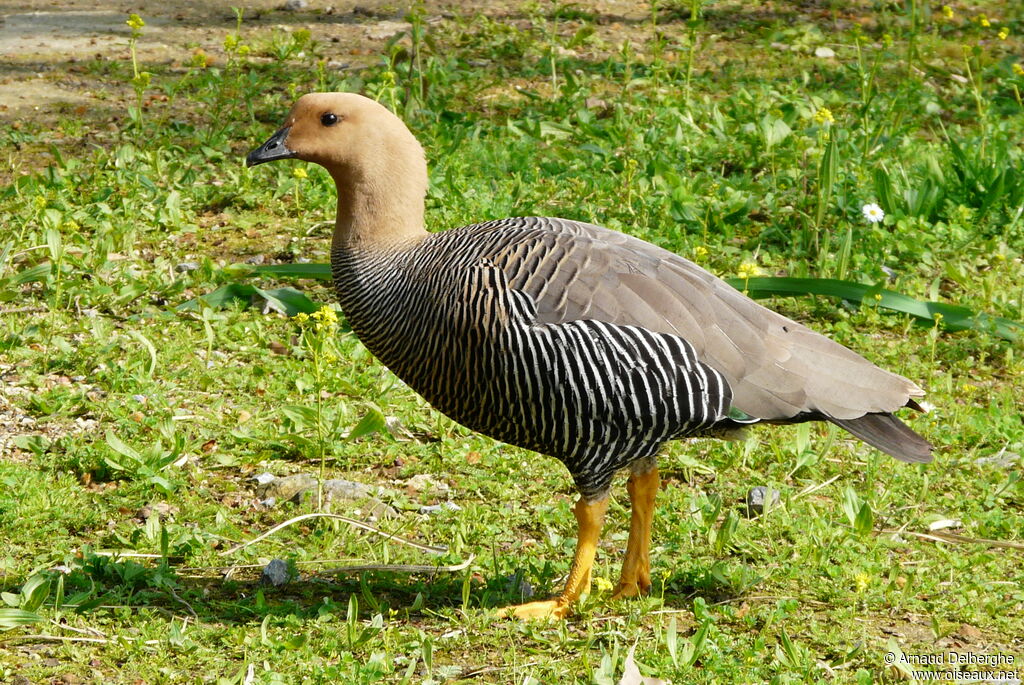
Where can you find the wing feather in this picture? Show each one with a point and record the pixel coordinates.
(776, 367)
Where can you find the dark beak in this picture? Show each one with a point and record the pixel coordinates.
(273, 149)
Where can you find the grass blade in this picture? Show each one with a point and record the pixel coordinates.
(951, 317)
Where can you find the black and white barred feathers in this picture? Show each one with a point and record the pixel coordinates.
(455, 316)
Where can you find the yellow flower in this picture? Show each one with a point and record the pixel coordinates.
(1004, 33)
(887, 40)
(824, 116)
(135, 22)
(71, 226)
(243, 50)
(983, 20)
(862, 580)
(999, 257)
(749, 269)
(300, 172)
(1018, 69)
(301, 318)
(603, 585)
(968, 388)
(325, 319)
(700, 252)
(200, 59)
(230, 42)
(947, 12)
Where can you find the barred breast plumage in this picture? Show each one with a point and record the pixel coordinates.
(445, 318)
(567, 338)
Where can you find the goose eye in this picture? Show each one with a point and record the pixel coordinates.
(328, 119)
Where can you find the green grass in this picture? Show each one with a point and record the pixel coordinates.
(135, 427)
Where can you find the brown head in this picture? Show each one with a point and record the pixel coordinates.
(375, 161)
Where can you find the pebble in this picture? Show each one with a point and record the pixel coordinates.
(518, 587)
(758, 496)
(295, 5)
(275, 573)
(186, 267)
(426, 483)
(293, 488)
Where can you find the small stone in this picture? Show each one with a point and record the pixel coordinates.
(427, 484)
(760, 498)
(824, 52)
(256, 260)
(435, 508)
(970, 632)
(518, 587)
(186, 267)
(141, 399)
(383, 30)
(376, 510)
(295, 5)
(287, 488)
(943, 524)
(341, 489)
(263, 478)
(275, 573)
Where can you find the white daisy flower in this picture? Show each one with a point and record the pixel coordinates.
(873, 213)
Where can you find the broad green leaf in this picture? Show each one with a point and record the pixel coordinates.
(39, 272)
(851, 505)
(302, 417)
(318, 271)
(372, 422)
(15, 618)
(865, 519)
(34, 592)
(288, 301)
(954, 317)
(115, 443)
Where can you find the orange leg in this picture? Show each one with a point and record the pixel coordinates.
(589, 518)
(636, 567)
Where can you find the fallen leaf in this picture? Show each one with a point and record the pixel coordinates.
(631, 674)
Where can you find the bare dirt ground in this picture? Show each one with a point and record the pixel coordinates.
(42, 42)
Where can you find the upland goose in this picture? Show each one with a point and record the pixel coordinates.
(566, 338)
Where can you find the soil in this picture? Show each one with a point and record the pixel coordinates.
(44, 42)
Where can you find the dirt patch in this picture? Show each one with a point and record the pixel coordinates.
(43, 42)
(40, 44)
